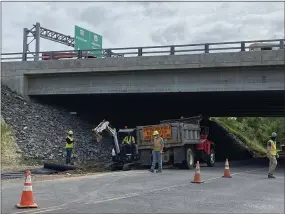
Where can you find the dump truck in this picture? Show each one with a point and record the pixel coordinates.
(185, 142)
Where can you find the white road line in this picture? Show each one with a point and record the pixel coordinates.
(233, 174)
(130, 195)
(63, 179)
(112, 174)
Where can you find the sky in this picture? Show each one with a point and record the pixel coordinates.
(144, 24)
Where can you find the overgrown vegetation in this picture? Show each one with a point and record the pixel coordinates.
(10, 155)
(254, 131)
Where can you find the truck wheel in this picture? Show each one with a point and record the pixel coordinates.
(189, 159)
(211, 159)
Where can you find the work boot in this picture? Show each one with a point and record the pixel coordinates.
(151, 170)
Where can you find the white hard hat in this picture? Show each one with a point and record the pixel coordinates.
(273, 134)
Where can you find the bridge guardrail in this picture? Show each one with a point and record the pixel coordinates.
(147, 50)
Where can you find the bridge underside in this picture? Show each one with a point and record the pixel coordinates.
(133, 109)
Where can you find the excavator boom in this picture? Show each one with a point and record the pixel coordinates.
(104, 125)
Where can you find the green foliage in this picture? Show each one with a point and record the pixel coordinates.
(254, 131)
(9, 148)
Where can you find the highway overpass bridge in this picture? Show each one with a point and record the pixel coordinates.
(236, 83)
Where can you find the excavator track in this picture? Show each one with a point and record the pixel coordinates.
(131, 166)
(114, 166)
(122, 166)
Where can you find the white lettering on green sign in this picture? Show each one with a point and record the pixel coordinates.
(86, 40)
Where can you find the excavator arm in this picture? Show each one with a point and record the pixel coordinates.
(104, 125)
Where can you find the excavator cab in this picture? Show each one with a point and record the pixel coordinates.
(122, 133)
(128, 151)
(133, 149)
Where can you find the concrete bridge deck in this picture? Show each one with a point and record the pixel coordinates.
(236, 71)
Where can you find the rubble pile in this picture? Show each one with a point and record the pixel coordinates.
(40, 130)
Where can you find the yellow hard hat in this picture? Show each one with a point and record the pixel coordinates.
(155, 133)
(70, 132)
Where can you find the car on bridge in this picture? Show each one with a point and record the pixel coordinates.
(55, 55)
(261, 46)
(64, 55)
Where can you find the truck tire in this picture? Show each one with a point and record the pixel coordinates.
(211, 159)
(189, 159)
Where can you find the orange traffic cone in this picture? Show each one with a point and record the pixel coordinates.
(197, 176)
(27, 199)
(227, 173)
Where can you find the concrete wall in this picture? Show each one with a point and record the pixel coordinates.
(22, 76)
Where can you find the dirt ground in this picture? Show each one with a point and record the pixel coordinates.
(39, 178)
(9, 168)
(59, 175)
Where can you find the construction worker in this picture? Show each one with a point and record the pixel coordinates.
(157, 152)
(272, 155)
(128, 143)
(69, 146)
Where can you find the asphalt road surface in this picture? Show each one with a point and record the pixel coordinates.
(139, 191)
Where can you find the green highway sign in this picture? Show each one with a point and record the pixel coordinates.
(85, 39)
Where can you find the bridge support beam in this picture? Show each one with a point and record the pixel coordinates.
(184, 80)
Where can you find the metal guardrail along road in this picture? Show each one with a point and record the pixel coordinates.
(255, 45)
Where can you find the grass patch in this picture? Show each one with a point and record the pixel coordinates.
(10, 152)
(242, 132)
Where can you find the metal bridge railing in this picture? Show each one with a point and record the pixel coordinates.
(149, 50)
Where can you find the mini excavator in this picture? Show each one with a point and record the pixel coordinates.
(121, 159)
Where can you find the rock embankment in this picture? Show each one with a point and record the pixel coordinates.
(40, 130)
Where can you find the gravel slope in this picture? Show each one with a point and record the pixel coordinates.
(40, 130)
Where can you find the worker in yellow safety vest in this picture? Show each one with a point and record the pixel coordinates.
(272, 155)
(157, 149)
(69, 146)
(128, 143)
